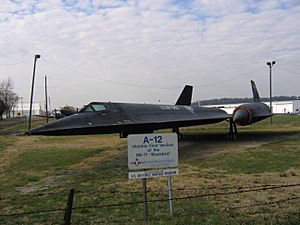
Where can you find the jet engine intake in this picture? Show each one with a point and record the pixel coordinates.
(247, 114)
(243, 115)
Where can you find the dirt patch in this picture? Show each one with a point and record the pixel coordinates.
(43, 184)
(87, 163)
(90, 141)
(204, 145)
(11, 122)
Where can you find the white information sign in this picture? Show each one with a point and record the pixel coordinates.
(153, 173)
(148, 151)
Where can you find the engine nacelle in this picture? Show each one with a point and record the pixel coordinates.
(250, 113)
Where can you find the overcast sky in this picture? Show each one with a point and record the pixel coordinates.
(147, 50)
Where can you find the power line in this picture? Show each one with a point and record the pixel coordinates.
(288, 70)
(240, 75)
(112, 81)
(16, 63)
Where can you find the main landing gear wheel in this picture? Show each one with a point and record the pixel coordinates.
(233, 133)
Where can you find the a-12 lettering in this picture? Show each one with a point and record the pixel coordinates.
(156, 139)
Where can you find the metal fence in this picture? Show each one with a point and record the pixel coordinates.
(68, 212)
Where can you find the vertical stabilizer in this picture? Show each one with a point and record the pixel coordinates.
(185, 97)
(256, 97)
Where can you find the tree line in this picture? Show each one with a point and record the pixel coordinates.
(8, 98)
(220, 101)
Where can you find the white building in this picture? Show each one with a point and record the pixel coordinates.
(22, 109)
(292, 106)
(279, 107)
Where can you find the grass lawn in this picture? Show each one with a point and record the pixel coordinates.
(253, 180)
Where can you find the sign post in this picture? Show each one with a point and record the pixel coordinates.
(145, 199)
(170, 195)
(153, 151)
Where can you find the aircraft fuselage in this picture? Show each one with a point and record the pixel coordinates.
(126, 118)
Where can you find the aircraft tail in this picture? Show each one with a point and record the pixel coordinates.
(256, 97)
(185, 97)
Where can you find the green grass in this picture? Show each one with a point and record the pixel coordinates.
(50, 164)
(283, 123)
(51, 159)
(20, 126)
(34, 165)
(5, 141)
(275, 157)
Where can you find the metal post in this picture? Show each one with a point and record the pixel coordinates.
(22, 108)
(271, 107)
(32, 87)
(46, 99)
(170, 195)
(68, 212)
(49, 104)
(145, 199)
(270, 64)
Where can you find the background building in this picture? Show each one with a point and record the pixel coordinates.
(279, 107)
(22, 109)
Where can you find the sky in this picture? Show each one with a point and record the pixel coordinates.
(145, 51)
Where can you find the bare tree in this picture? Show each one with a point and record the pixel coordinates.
(8, 97)
(2, 109)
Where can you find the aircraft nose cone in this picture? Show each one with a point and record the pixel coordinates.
(43, 129)
(58, 127)
(241, 117)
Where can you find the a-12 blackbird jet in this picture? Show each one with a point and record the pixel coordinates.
(127, 118)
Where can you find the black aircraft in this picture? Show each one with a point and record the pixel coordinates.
(127, 118)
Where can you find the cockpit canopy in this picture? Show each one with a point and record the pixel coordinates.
(94, 107)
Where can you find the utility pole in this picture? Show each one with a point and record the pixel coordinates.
(46, 99)
(271, 64)
(49, 103)
(32, 87)
(22, 108)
